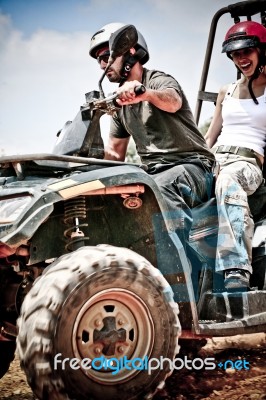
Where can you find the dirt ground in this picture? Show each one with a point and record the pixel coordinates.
(184, 384)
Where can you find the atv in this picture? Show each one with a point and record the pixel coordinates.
(95, 283)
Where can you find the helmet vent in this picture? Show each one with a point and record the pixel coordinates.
(95, 34)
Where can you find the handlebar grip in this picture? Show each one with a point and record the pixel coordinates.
(140, 90)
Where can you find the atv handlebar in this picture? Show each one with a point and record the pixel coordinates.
(107, 105)
(138, 91)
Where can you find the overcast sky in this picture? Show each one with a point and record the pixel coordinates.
(45, 69)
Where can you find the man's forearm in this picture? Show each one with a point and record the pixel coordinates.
(167, 100)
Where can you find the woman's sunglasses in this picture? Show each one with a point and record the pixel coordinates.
(242, 52)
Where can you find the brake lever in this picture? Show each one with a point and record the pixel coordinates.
(107, 105)
(138, 91)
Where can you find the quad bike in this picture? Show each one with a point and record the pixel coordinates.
(91, 266)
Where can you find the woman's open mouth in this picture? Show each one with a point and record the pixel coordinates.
(245, 66)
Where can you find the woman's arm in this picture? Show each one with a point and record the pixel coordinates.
(217, 121)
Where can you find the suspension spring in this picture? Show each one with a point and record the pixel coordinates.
(75, 212)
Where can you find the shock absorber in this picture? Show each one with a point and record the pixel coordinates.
(75, 211)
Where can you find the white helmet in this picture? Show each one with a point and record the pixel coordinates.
(101, 39)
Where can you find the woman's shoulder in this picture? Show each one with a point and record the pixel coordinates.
(229, 87)
(224, 89)
(227, 90)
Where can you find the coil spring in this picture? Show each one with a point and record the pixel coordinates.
(75, 208)
(75, 211)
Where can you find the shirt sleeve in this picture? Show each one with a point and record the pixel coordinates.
(160, 80)
(117, 130)
(156, 80)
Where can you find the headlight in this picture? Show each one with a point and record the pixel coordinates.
(11, 209)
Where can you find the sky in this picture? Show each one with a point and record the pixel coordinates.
(45, 67)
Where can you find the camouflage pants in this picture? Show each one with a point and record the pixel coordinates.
(239, 177)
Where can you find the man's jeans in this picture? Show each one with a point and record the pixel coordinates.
(184, 186)
(239, 177)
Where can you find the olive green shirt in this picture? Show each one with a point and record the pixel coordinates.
(161, 137)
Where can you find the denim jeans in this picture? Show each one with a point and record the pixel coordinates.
(239, 177)
(184, 186)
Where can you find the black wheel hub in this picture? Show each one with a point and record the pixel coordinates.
(109, 336)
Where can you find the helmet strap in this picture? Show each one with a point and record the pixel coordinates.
(254, 76)
(129, 61)
(259, 69)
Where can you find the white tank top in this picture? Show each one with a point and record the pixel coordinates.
(244, 122)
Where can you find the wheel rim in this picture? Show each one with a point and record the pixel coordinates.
(113, 324)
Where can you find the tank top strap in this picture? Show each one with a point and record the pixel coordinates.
(230, 90)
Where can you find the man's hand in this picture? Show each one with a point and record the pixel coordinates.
(167, 99)
(127, 95)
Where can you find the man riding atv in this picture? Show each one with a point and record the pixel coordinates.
(162, 126)
(92, 266)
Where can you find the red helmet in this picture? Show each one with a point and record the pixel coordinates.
(244, 34)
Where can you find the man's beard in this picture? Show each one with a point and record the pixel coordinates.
(114, 78)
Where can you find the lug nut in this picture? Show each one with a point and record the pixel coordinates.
(97, 350)
(120, 349)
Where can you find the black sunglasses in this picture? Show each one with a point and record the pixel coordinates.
(104, 57)
(242, 52)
